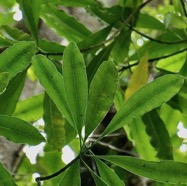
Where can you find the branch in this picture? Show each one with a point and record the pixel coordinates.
(152, 60)
(39, 179)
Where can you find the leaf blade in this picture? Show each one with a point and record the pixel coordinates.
(52, 81)
(101, 95)
(159, 171)
(75, 82)
(145, 99)
(16, 58)
(19, 131)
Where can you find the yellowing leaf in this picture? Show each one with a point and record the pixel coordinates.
(139, 77)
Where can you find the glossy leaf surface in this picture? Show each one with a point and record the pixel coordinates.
(145, 99)
(101, 95)
(53, 82)
(17, 57)
(5, 177)
(75, 83)
(72, 176)
(107, 174)
(19, 131)
(163, 171)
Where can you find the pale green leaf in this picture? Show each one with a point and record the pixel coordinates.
(159, 135)
(72, 176)
(5, 177)
(16, 58)
(75, 82)
(19, 131)
(54, 124)
(53, 82)
(141, 140)
(145, 99)
(4, 79)
(167, 171)
(101, 95)
(64, 24)
(30, 109)
(10, 96)
(107, 174)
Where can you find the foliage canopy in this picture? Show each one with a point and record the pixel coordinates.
(124, 83)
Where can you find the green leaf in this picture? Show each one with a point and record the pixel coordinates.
(141, 140)
(14, 35)
(72, 3)
(30, 109)
(103, 55)
(101, 95)
(165, 171)
(75, 82)
(94, 39)
(120, 49)
(19, 131)
(31, 11)
(10, 96)
(98, 181)
(107, 174)
(145, 99)
(5, 177)
(53, 82)
(72, 176)
(150, 22)
(54, 124)
(160, 139)
(16, 58)
(4, 42)
(4, 79)
(65, 25)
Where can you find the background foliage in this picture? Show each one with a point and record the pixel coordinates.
(113, 90)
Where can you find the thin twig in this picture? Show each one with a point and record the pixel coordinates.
(114, 148)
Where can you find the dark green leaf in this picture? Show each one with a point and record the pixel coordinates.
(5, 177)
(145, 99)
(10, 97)
(30, 109)
(165, 171)
(31, 11)
(121, 46)
(75, 82)
(54, 124)
(101, 95)
(19, 131)
(16, 58)
(4, 79)
(97, 61)
(53, 82)
(107, 174)
(72, 176)
(65, 25)
(158, 133)
(94, 39)
(98, 181)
